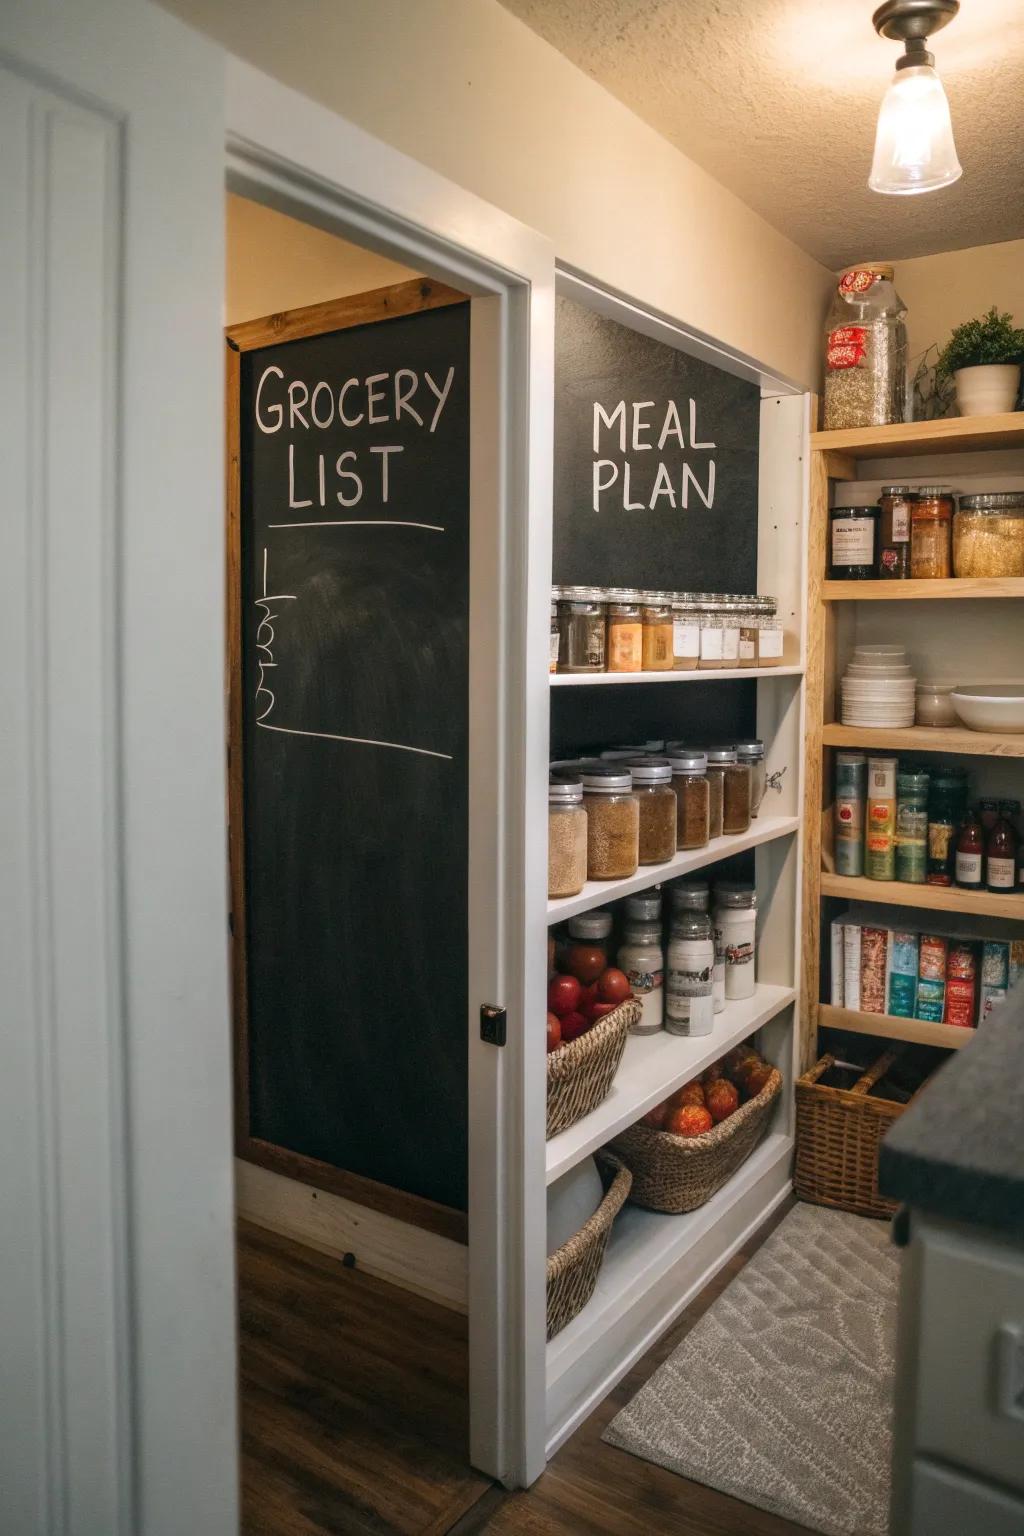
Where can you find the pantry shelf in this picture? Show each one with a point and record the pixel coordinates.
(916, 1031)
(702, 675)
(653, 1066)
(763, 829)
(971, 587)
(924, 738)
(971, 434)
(936, 898)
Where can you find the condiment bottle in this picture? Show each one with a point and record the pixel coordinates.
(895, 506)
(970, 853)
(931, 534)
(735, 931)
(689, 982)
(1001, 855)
(853, 538)
(690, 782)
(642, 960)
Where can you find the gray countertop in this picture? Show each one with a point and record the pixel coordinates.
(958, 1151)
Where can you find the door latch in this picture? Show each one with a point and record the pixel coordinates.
(493, 1024)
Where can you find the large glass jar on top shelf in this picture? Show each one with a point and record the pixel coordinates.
(865, 350)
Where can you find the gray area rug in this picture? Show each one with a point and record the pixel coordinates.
(781, 1394)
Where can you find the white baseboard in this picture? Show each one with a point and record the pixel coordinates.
(416, 1260)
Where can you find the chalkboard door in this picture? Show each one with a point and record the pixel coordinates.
(349, 536)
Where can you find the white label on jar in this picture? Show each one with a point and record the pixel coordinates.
(901, 523)
(770, 641)
(685, 638)
(689, 977)
(968, 868)
(553, 650)
(853, 541)
(748, 649)
(711, 644)
(1001, 873)
(648, 988)
(730, 643)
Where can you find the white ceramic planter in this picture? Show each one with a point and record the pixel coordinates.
(988, 389)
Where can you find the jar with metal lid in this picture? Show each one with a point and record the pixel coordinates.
(770, 634)
(689, 893)
(711, 633)
(736, 797)
(567, 836)
(694, 896)
(645, 907)
(735, 920)
(642, 959)
(719, 758)
(853, 543)
(690, 974)
(988, 535)
(865, 350)
(656, 639)
(895, 507)
(625, 630)
(581, 629)
(752, 753)
(613, 822)
(931, 534)
(685, 632)
(652, 785)
(690, 782)
(911, 836)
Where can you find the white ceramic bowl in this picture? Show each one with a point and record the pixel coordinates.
(991, 707)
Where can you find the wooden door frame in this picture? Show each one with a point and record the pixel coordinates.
(285, 151)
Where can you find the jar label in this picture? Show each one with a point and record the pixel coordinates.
(730, 643)
(901, 522)
(711, 644)
(1001, 874)
(846, 346)
(624, 647)
(858, 280)
(853, 541)
(770, 640)
(748, 650)
(553, 651)
(968, 868)
(685, 638)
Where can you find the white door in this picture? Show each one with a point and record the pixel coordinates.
(117, 1407)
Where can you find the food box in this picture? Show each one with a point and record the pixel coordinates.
(902, 984)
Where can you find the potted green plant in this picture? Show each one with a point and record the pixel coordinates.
(983, 357)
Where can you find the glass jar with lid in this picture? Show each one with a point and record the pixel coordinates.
(625, 630)
(581, 629)
(931, 534)
(590, 930)
(641, 958)
(567, 836)
(613, 822)
(690, 892)
(865, 350)
(685, 632)
(652, 785)
(690, 782)
(988, 535)
(553, 636)
(735, 921)
(656, 617)
(711, 632)
(770, 635)
(690, 974)
(719, 758)
(749, 624)
(896, 505)
(853, 543)
(731, 606)
(751, 752)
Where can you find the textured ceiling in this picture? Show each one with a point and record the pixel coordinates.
(778, 100)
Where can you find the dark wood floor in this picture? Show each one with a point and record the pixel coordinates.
(353, 1421)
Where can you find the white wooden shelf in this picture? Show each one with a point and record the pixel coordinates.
(653, 1066)
(763, 829)
(705, 675)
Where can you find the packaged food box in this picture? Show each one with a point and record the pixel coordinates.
(932, 955)
(873, 947)
(931, 1000)
(851, 966)
(902, 985)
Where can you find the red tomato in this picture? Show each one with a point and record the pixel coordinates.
(599, 1010)
(563, 995)
(613, 986)
(691, 1120)
(722, 1099)
(573, 1025)
(588, 997)
(554, 1032)
(585, 961)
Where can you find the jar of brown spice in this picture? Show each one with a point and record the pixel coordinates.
(736, 799)
(931, 534)
(656, 641)
(718, 760)
(613, 822)
(652, 785)
(690, 782)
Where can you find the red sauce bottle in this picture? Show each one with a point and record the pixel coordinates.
(1001, 856)
(970, 853)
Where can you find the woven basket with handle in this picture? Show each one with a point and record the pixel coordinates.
(580, 1073)
(838, 1133)
(573, 1269)
(678, 1173)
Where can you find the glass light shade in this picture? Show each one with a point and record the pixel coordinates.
(914, 149)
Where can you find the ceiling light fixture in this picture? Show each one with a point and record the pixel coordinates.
(914, 149)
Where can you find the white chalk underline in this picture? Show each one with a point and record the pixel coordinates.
(353, 522)
(362, 741)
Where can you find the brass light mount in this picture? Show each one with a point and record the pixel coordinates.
(912, 23)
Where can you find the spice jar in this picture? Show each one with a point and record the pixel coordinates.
(685, 633)
(895, 507)
(591, 931)
(625, 630)
(567, 837)
(656, 639)
(752, 753)
(736, 793)
(770, 637)
(735, 920)
(711, 633)
(581, 638)
(718, 759)
(865, 350)
(641, 958)
(652, 785)
(613, 822)
(853, 541)
(988, 535)
(931, 531)
(690, 782)
(912, 825)
(689, 982)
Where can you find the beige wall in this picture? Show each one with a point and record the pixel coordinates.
(276, 263)
(465, 87)
(941, 291)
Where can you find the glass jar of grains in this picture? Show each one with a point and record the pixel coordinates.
(581, 642)
(865, 350)
(751, 752)
(685, 633)
(690, 782)
(652, 785)
(931, 534)
(656, 615)
(736, 790)
(770, 636)
(711, 632)
(988, 535)
(625, 630)
(718, 759)
(567, 836)
(613, 822)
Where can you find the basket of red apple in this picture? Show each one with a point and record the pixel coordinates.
(588, 1021)
(684, 1150)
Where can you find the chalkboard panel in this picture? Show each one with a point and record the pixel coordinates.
(353, 611)
(656, 457)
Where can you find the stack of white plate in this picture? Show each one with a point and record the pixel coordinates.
(878, 688)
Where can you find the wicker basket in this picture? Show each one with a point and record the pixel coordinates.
(580, 1073)
(573, 1269)
(678, 1173)
(838, 1133)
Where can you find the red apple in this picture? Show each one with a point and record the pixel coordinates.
(691, 1120)
(573, 1025)
(563, 995)
(554, 1032)
(585, 961)
(599, 1010)
(721, 1098)
(613, 986)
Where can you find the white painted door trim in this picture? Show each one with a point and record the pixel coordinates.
(298, 157)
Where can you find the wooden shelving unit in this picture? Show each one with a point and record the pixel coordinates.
(699, 675)
(838, 615)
